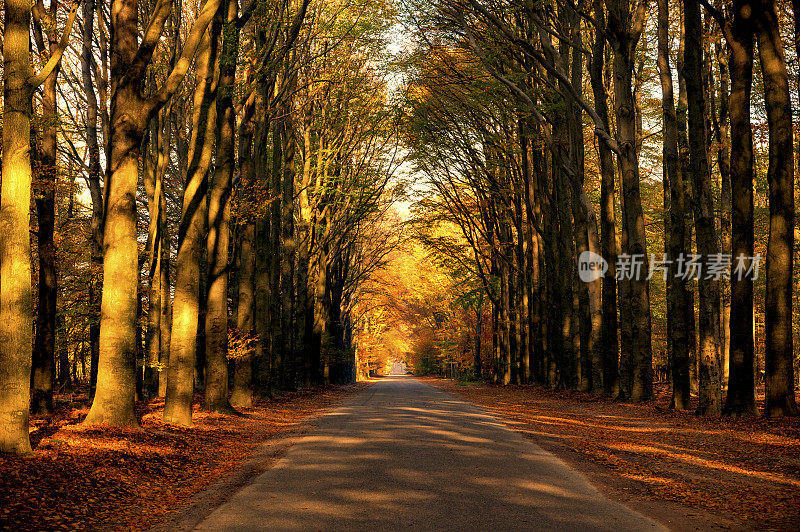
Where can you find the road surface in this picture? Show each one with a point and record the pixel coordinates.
(403, 455)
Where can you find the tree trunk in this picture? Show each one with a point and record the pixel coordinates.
(186, 303)
(96, 192)
(44, 346)
(114, 397)
(155, 167)
(723, 163)
(626, 29)
(708, 288)
(608, 235)
(478, 333)
(130, 114)
(778, 349)
(288, 249)
(740, 399)
(242, 395)
(16, 308)
(677, 296)
(219, 214)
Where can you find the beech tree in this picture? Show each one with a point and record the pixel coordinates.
(130, 114)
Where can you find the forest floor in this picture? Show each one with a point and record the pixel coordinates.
(100, 478)
(736, 473)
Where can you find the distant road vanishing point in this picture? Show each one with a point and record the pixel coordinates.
(403, 455)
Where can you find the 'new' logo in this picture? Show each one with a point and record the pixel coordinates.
(591, 266)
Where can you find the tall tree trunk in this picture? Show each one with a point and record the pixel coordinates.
(191, 236)
(44, 345)
(16, 305)
(740, 399)
(242, 394)
(155, 167)
(114, 397)
(778, 349)
(677, 296)
(708, 288)
(681, 110)
(321, 314)
(130, 114)
(95, 190)
(723, 163)
(219, 214)
(608, 234)
(165, 323)
(478, 333)
(276, 338)
(626, 28)
(288, 247)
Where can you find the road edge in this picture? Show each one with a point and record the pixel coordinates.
(199, 506)
(629, 493)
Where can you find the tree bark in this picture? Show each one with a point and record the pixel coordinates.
(625, 29)
(778, 349)
(44, 345)
(708, 288)
(677, 296)
(16, 304)
(608, 235)
(96, 192)
(191, 236)
(740, 399)
(219, 214)
(288, 247)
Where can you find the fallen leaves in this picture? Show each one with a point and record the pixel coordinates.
(748, 468)
(101, 477)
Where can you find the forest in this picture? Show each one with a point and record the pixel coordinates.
(208, 206)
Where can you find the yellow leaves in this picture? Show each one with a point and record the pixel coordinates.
(241, 344)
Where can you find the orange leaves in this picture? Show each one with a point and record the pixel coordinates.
(89, 477)
(746, 469)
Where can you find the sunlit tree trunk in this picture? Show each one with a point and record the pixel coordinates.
(16, 305)
(242, 393)
(130, 114)
(306, 309)
(219, 214)
(16, 311)
(191, 236)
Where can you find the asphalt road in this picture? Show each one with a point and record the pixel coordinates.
(403, 455)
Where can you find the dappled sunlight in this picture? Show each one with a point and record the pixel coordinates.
(127, 479)
(430, 462)
(685, 457)
(745, 467)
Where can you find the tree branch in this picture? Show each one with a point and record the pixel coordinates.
(173, 81)
(55, 57)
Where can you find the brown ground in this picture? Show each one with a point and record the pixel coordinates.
(727, 473)
(99, 478)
